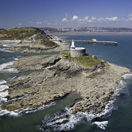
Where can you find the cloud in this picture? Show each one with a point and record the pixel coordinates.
(19, 24)
(108, 19)
(111, 18)
(92, 19)
(75, 18)
(86, 18)
(130, 17)
(38, 23)
(64, 20)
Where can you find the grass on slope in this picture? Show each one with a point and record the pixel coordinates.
(46, 42)
(87, 60)
(20, 33)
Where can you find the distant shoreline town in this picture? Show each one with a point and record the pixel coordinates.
(83, 29)
(86, 29)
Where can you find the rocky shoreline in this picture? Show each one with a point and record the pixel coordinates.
(56, 77)
(29, 47)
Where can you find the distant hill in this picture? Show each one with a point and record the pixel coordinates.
(22, 33)
(32, 35)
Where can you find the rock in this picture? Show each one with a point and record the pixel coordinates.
(56, 77)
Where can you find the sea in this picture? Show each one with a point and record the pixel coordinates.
(117, 116)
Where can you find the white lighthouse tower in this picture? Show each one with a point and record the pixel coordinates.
(73, 45)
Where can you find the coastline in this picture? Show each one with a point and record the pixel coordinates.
(26, 47)
(56, 77)
(91, 33)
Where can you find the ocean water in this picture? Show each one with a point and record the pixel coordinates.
(118, 115)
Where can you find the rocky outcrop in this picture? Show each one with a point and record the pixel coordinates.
(57, 77)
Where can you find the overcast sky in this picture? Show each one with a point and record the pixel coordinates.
(65, 13)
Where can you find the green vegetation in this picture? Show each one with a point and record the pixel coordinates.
(21, 33)
(46, 42)
(87, 60)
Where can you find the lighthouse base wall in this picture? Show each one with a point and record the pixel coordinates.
(78, 52)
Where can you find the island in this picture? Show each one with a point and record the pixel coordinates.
(55, 76)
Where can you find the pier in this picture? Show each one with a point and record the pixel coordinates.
(103, 42)
(94, 41)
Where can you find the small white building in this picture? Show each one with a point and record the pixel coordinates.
(94, 40)
(77, 51)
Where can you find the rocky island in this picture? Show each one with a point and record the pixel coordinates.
(53, 77)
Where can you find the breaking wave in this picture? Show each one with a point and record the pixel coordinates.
(4, 65)
(102, 124)
(66, 121)
(4, 93)
(22, 111)
(3, 90)
(5, 45)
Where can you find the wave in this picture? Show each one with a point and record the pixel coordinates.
(2, 82)
(6, 112)
(22, 111)
(10, 70)
(4, 65)
(5, 50)
(3, 87)
(5, 45)
(127, 76)
(102, 124)
(3, 95)
(67, 121)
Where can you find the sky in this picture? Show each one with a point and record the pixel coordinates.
(65, 13)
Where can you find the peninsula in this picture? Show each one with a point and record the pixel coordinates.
(30, 40)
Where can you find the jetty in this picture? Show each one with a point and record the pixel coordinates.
(94, 41)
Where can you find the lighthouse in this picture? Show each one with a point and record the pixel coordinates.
(73, 45)
(77, 51)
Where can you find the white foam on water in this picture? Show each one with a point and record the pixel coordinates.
(15, 59)
(37, 109)
(4, 65)
(5, 50)
(76, 118)
(102, 124)
(2, 82)
(3, 87)
(20, 111)
(6, 112)
(3, 94)
(127, 76)
(11, 70)
(5, 45)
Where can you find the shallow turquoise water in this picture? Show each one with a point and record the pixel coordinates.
(121, 117)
